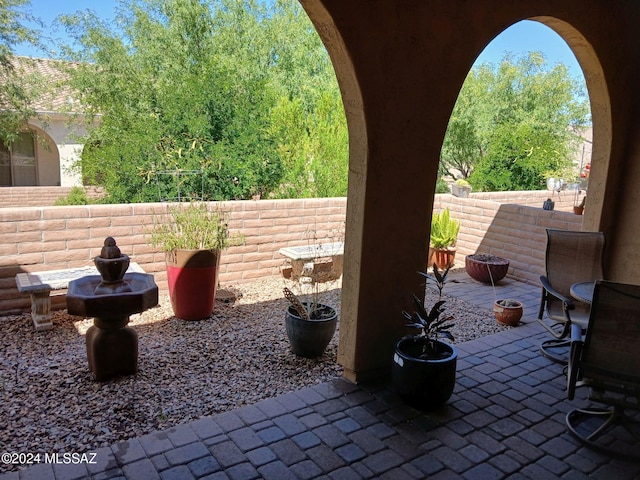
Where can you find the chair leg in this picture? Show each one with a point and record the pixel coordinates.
(548, 346)
(610, 418)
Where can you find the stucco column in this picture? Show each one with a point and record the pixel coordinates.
(397, 110)
(400, 65)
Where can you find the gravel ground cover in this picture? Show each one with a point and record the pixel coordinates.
(187, 370)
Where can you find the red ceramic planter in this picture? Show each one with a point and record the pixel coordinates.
(192, 282)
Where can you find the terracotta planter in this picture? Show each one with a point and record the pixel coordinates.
(192, 277)
(442, 257)
(483, 267)
(508, 315)
(578, 210)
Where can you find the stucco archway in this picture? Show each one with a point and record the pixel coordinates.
(400, 66)
(600, 113)
(48, 158)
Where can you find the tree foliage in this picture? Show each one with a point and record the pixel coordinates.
(16, 91)
(210, 86)
(514, 125)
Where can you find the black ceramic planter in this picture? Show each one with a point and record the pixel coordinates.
(309, 338)
(423, 384)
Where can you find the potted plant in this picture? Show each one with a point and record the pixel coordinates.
(508, 311)
(461, 188)
(442, 241)
(424, 367)
(310, 325)
(486, 268)
(192, 238)
(548, 204)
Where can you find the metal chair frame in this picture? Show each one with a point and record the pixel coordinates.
(571, 257)
(607, 362)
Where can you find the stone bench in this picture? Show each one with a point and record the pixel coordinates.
(40, 285)
(319, 262)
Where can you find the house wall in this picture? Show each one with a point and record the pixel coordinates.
(69, 154)
(45, 238)
(62, 136)
(48, 158)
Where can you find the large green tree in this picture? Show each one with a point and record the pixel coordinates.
(514, 124)
(308, 121)
(186, 86)
(17, 91)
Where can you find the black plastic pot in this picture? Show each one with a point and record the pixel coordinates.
(309, 338)
(424, 384)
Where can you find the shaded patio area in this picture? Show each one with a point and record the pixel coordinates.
(504, 420)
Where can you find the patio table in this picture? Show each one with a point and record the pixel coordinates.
(583, 291)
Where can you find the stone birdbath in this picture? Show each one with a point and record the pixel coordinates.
(111, 297)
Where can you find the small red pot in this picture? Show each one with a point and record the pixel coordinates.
(508, 315)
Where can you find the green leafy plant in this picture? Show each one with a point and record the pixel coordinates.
(194, 227)
(508, 128)
(437, 279)
(508, 302)
(461, 182)
(442, 186)
(76, 196)
(431, 322)
(444, 230)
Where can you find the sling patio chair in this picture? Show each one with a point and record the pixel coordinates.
(608, 362)
(571, 257)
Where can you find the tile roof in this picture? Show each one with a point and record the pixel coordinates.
(54, 95)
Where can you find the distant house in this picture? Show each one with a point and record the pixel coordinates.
(45, 159)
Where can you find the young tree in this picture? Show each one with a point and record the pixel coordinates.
(515, 124)
(178, 112)
(198, 85)
(308, 121)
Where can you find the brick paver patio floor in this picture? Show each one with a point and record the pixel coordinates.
(504, 420)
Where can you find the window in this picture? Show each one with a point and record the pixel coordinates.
(18, 164)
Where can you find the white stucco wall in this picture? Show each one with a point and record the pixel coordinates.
(68, 155)
(64, 133)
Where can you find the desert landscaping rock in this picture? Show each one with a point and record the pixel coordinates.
(49, 401)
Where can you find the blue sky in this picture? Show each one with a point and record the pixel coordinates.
(520, 38)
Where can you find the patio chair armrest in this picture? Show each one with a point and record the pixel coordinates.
(568, 303)
(574, 358)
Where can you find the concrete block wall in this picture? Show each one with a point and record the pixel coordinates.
(564, 200)
(38, 196)
(508, 230)
(45, 238)
(46, 196)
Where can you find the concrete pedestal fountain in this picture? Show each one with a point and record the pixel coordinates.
(111, 297)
